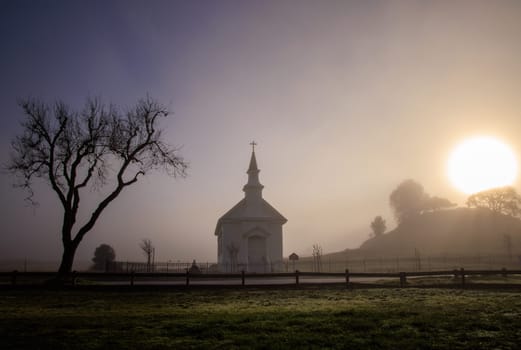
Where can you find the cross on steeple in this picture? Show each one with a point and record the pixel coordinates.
(253, 144)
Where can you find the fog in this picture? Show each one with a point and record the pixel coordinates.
(345, 99)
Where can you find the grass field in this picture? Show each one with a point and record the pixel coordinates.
(260, 318)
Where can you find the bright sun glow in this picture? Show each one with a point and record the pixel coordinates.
(481, 163)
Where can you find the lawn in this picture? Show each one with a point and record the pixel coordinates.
(260, 318)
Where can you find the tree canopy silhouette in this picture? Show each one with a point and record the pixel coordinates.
(378, 226)
(409, 199)
(104, 255)
(99, 146)
(501, 200)
(436, 203)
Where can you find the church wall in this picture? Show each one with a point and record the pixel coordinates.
(237, 234)
(231, 237)
(275, 247)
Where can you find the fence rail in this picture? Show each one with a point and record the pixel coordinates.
(284, 278)
(375, 264)
(327, 264)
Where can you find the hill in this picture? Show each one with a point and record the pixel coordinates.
(460, 231)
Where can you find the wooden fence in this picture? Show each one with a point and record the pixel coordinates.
(338, 265)
(252, 279)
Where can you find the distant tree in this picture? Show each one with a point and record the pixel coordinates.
(407, 200)
(98, 146)
(418, 259)
(317, 258)
(232, 252)
(501, 200)
(436, 203)
(104, 255)
(194, 269)
(378, 226)
(149, 250)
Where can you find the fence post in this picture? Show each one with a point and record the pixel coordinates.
(13, 277)
(297, 277)
(132, 278)
(504, 272)
(187, 277)
(462, 272)
(242, 277)
(347, 278)
(403, 279)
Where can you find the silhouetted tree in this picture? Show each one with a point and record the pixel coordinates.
(104, 255)
(501, 200)
(99, 146)
(407, 200)
(378, 226)
(418, 259)
(317, 258)
(149, 250)
(232, 252)
(194, 269)
(436, 203)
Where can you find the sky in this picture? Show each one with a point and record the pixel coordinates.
(345, 99)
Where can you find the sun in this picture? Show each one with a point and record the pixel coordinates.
(480, 163)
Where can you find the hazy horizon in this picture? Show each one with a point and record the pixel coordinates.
(345, 100)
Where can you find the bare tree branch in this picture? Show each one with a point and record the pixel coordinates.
(502, 200)
(74, 150)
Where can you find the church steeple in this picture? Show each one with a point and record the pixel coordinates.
(253, 189)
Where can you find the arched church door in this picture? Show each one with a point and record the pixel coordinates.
(257, 254)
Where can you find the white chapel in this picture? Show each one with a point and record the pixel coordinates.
(249, 235)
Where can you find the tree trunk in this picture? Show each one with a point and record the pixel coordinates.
(64, 271)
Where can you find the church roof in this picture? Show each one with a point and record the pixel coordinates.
(242, 211)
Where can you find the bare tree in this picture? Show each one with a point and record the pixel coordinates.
(378, 226)
(317, 258)
(149, 251)
(502, 200)
(99, 147)
(418, 259)
(232, 252)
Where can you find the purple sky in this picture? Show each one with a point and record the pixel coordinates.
(345, 99)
